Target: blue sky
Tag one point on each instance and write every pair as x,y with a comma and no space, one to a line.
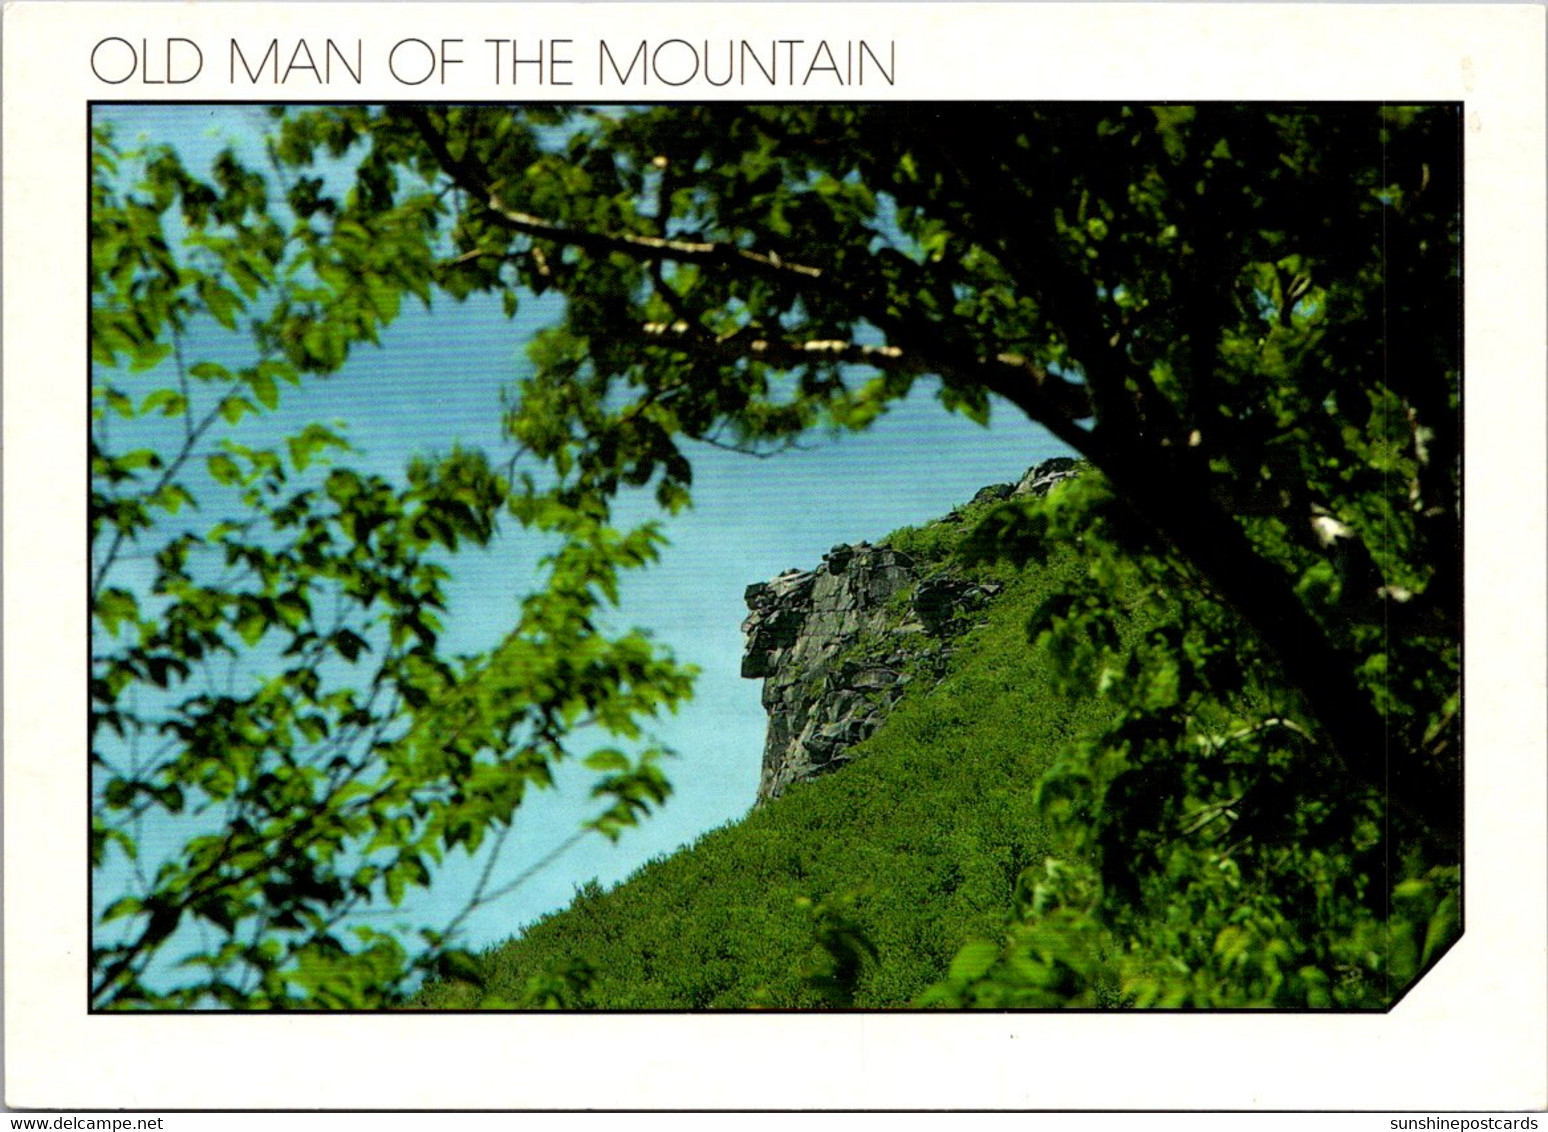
437,379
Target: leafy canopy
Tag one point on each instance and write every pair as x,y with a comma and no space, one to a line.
279,741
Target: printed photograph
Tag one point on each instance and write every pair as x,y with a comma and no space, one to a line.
802,557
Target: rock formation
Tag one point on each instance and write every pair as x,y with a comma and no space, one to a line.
836,646
1041,477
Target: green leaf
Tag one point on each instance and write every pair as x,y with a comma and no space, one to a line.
607,759
209,371
221,302
168,401
224,469
264,389
122,907
251,626
973,961
113,607
233,408
1443,928
148,356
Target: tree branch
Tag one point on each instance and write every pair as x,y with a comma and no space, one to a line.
1169,489
1052,401
1018,379
634,245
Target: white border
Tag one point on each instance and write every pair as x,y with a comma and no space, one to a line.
1471,1036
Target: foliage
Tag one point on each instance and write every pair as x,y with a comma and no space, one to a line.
278,741
1241,316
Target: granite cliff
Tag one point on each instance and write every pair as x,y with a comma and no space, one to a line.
837,645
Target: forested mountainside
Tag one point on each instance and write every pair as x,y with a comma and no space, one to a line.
910,674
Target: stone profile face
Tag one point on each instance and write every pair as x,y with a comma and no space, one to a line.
802,635
836,646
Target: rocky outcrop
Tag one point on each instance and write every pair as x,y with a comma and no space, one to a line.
1041,477
1038,479
836,646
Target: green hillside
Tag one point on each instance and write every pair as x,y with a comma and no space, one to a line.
895,861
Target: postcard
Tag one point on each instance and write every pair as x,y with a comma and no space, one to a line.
774,557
